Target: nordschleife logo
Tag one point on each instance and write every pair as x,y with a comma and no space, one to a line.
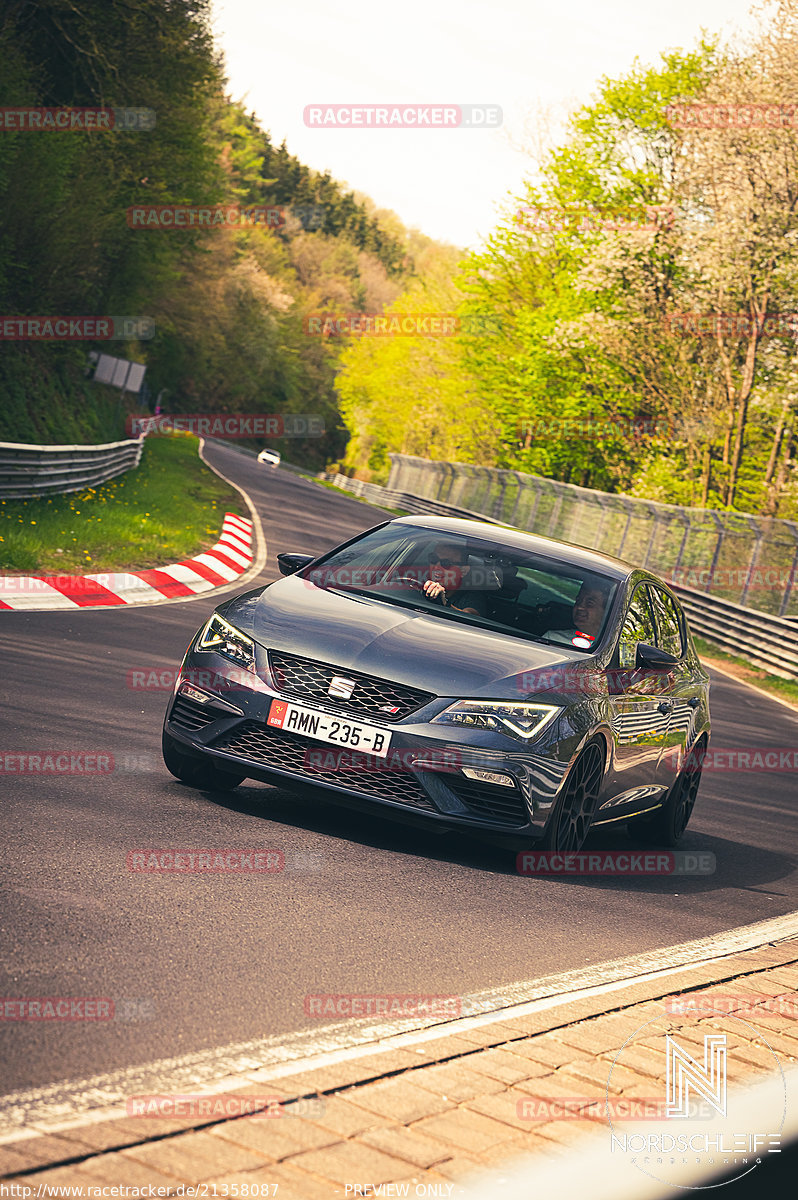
684,1075
703,1130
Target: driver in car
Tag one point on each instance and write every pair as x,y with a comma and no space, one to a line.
588,614
449,570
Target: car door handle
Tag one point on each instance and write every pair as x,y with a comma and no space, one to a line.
665,706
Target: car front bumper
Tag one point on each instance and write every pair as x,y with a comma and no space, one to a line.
424,774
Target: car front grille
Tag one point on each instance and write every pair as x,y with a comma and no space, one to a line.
309,680
187,714
289,752
501,804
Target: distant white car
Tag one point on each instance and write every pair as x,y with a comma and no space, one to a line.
272,457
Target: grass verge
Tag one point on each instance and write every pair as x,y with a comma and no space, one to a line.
169,508
785,689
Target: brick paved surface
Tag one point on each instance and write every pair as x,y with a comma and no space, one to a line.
435,1112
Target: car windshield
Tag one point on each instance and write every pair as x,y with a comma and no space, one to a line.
474,581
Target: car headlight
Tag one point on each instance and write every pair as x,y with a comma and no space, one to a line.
522,721
225,639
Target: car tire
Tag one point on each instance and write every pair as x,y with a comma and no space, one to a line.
195,771
667,825
570,822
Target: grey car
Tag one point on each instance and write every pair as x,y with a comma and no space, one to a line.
456,673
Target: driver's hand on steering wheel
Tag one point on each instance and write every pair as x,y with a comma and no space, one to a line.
434,591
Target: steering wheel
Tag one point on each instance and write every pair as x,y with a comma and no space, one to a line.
408,579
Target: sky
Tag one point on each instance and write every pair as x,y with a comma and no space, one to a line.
536,61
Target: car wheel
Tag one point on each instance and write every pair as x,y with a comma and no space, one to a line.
570,823
196,771
666,826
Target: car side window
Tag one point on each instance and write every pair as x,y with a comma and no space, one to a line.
638,626
669,626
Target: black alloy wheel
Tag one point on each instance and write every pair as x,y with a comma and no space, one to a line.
569,826
666,826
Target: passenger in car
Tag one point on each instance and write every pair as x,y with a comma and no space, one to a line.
588,614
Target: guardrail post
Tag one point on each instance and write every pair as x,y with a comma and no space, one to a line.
785,600
718,544
752,563
687,527
555,515
629,511
600,529
520,487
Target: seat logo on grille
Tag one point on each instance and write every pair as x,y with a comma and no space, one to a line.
341,688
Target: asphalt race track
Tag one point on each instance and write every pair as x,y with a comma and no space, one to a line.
364,905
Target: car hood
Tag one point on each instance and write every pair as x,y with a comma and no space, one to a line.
423,651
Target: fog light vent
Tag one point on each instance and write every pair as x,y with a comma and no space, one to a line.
494,777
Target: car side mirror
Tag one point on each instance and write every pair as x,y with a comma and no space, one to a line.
653,658
289,564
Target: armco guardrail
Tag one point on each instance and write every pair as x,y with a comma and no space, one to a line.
27,471
405,501
764,640
739,557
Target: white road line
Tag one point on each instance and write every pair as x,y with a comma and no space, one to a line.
72,1103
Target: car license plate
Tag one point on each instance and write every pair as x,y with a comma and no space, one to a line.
356,735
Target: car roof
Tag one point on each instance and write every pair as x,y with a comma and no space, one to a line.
517,539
